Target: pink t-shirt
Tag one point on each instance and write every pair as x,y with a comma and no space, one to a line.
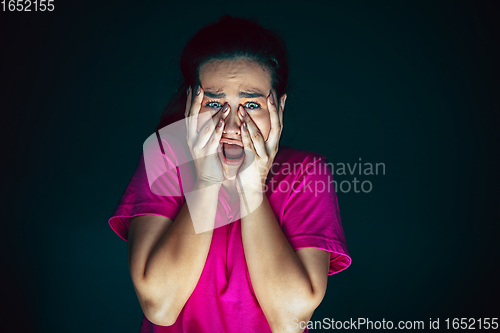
302,195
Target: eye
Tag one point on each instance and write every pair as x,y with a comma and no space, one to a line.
252,105
214,105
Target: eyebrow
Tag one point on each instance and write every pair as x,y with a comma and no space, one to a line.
250,94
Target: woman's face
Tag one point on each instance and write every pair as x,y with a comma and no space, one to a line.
239,82
236,82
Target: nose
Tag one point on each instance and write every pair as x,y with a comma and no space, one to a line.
232,122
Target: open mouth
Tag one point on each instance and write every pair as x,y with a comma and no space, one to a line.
232,151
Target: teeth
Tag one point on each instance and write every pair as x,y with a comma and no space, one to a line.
230,143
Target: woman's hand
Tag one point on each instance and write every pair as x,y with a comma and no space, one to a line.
204,144
259,154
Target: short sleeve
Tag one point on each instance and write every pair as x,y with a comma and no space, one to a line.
311,216
155,188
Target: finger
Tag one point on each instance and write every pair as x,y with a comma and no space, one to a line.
222,112
194,112
254,132
208,128
188,101
225,110
281,119
275,131
214,140
219,120
248,145
280,107
186,112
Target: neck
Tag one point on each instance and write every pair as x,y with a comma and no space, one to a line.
230,187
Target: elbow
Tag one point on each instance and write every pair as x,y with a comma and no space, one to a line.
308,301
164,315
316,298
161,318
300,310
158,310
306,307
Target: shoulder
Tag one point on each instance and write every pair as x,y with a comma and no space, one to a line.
167,143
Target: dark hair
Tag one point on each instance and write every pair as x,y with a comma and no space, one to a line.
229,38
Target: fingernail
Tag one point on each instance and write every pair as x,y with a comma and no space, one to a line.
272,99
245,127
220,122
242,111
225,108
198,90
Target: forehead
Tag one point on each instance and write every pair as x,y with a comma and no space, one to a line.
232,75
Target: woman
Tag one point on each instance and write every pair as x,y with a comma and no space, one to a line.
237,234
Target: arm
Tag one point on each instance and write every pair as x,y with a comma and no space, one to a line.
166,257
287,284
165,269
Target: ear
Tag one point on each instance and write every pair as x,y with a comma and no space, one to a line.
282,102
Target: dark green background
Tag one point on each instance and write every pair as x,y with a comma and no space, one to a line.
413,85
